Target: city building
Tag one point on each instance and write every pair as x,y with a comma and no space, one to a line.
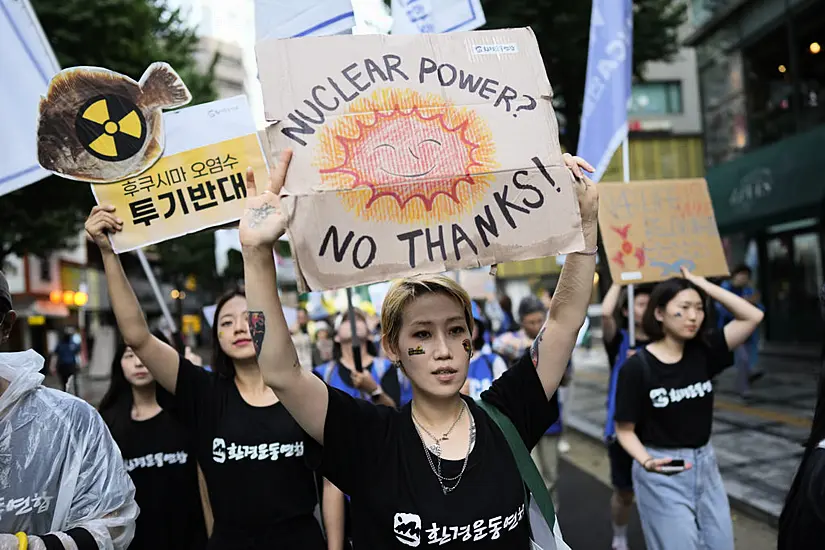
230,74
762,79
49,294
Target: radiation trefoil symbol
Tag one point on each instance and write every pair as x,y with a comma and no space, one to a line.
111,127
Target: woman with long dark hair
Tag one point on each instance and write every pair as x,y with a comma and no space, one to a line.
802,522
664,413
255,458
159,456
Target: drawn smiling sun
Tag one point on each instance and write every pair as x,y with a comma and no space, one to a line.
404,157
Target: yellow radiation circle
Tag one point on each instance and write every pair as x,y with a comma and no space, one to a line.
111,127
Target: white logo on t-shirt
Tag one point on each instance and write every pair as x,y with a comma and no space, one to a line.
662,397
156,460
264,451
475,531
407,528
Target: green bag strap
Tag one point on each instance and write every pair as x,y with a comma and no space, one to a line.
526,467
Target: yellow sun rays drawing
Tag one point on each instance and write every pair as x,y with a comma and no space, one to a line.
401,156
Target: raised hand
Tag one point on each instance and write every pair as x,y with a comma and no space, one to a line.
363,381
695,279
102,222
575,165
264,221
586,190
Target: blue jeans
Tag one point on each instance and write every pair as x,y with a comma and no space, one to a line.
685,511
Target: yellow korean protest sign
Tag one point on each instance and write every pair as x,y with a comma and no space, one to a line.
650,229
194,188
417,154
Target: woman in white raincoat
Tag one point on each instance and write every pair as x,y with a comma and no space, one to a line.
63,484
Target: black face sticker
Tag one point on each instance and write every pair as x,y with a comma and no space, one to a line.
468,347
418,350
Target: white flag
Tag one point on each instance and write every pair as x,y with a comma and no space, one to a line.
27,64
431,16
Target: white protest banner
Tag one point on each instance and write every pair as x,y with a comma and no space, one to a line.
27,64
293,19
420,153
431,16
199,182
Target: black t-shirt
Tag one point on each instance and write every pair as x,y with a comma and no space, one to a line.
256,460
672,403
374,454
614,345
159,457
802,523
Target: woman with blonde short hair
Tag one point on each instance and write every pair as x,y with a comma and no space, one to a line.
437,472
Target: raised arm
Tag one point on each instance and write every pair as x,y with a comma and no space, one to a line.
611,300
746,316
160,358
302,393
552,348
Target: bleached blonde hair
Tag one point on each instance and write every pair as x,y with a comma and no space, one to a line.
404,291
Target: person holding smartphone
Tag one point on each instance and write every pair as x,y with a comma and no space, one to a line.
664,413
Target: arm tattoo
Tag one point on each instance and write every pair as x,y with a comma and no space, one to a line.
259,214
534,348
257,329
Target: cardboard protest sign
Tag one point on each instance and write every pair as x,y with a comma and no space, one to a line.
99,126
420,153
650,229
199,182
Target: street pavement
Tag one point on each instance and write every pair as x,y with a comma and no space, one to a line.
757,443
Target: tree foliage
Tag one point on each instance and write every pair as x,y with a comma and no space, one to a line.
125,36
562,28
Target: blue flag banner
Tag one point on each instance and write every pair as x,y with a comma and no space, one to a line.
607,88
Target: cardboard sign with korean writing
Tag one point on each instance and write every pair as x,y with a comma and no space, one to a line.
199,182
417,154
650,229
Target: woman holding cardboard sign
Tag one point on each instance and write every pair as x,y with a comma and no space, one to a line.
440,471
256,459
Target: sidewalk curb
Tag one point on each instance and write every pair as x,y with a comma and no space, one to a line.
738,502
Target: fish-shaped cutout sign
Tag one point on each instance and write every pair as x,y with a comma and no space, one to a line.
99,126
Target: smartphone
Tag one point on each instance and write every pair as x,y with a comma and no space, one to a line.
674,467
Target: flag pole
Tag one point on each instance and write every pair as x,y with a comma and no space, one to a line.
631,314
356,343
156,289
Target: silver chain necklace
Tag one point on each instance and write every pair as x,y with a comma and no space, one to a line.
436,450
